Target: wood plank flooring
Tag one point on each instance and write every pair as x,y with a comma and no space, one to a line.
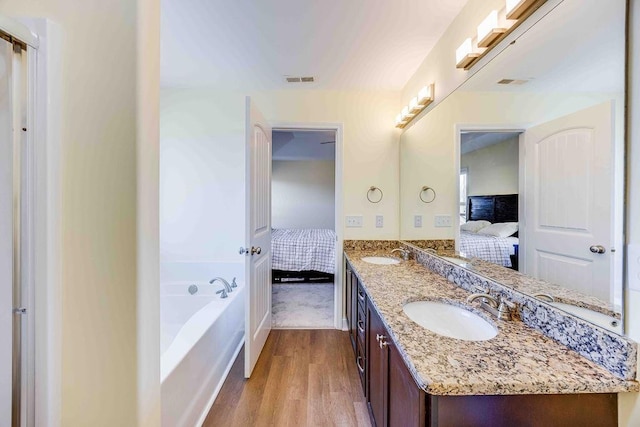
303,378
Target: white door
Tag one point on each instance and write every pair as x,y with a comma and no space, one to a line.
6,233
568,182
258,258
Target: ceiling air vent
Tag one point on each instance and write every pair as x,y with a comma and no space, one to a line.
305,79
512,82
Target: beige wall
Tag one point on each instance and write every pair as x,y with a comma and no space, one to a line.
99,272
493,169
370,147
303,194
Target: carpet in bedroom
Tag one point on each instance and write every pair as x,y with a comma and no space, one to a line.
302,306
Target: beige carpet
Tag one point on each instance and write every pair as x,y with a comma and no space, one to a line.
302,306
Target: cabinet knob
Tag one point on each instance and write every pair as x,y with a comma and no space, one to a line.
379,337
383,343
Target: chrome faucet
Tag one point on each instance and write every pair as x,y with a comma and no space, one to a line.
403,253
499,307
227,286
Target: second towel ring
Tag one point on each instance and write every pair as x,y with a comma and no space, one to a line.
426,189
373,189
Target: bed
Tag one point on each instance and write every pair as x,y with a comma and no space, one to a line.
495,209
303,255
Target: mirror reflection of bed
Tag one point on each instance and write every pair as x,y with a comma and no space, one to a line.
303,228
488,196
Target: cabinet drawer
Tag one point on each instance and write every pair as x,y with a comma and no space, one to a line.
362,297
361,364
361,325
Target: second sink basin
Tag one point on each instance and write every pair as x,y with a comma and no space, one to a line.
450,320
381,260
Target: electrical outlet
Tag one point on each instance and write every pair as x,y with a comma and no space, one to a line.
633,266
442,221
379,221
354,221
417,221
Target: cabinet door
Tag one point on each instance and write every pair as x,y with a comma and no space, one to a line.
407,402
349,313
354,305
377,359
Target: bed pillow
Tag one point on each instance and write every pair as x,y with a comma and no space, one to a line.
500,229
474,226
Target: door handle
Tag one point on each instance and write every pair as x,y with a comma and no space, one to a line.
597,249
256,250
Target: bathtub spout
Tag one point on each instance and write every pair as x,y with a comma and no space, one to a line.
227,286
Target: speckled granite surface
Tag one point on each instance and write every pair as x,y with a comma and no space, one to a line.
532,286
614,352
519,360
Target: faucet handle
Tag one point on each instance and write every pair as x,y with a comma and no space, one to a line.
482,290
223,292
233,283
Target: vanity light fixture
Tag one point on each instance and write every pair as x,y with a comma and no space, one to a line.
425,96
416,105
465,56
406,114
488,31
494,28
516,8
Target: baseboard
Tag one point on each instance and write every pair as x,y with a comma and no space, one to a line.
204,414
345,326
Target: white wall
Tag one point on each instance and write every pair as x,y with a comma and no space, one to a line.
202,178
303,194
493,169
99,137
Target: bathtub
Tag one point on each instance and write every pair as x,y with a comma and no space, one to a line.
201,335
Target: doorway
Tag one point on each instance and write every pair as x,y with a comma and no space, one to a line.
305,242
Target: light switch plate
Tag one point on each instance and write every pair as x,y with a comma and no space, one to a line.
633,266
442,221
379,221
417,221
354,221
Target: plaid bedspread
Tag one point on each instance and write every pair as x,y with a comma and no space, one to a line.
303,250
489,248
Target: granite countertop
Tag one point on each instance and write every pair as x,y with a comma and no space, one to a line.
519,360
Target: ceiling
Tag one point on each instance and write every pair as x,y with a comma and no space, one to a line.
344,44
304,145
472,141
576,48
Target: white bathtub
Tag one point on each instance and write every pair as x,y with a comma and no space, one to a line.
201,335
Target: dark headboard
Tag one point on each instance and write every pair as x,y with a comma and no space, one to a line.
497,208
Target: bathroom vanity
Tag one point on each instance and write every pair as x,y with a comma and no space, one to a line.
412,376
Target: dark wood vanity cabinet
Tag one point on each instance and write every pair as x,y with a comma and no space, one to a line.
395,400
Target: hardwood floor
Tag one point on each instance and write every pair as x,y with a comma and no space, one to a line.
303,378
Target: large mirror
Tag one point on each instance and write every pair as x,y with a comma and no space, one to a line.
526,158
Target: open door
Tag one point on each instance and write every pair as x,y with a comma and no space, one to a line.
258,223
569,202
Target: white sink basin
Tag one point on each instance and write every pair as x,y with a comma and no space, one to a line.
600,319
450,320
381,260
458,261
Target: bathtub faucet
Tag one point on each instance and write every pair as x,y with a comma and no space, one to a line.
227,286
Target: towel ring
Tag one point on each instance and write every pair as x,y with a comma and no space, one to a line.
373,189
425,189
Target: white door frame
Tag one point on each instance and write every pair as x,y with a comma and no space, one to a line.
42,216
339,322
458,128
